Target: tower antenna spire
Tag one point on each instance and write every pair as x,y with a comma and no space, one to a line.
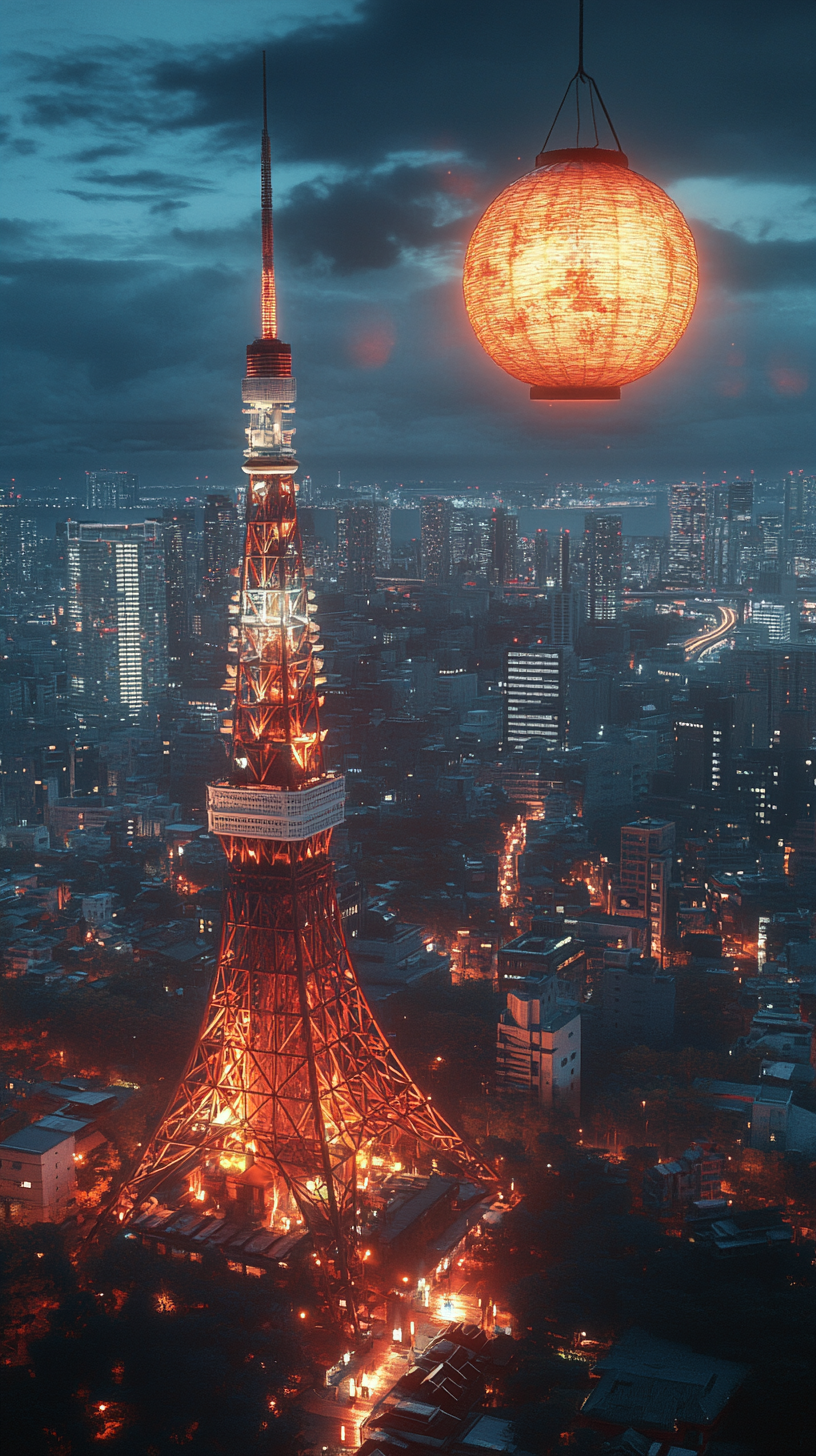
269,310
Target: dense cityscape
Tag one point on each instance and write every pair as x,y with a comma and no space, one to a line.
407,886
576,875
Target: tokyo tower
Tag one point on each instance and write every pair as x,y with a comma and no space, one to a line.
292,1086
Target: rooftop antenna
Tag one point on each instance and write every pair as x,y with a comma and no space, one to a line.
269,310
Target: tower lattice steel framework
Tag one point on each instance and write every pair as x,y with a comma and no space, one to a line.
291,1072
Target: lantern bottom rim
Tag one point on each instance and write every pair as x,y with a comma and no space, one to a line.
544,391
583,154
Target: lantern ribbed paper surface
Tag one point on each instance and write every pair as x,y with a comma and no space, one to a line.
581,276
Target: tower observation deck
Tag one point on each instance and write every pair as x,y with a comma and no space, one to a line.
291,1077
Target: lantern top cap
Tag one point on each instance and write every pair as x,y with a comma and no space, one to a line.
583,154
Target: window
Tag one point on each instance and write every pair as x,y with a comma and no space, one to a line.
25,1184
563,1061
17,1166
572,1058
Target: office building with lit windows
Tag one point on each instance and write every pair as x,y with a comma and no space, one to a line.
603,553
503,546
687,535
535,696
117,620
435,531
367,527
647,852
111,490
773,619
704,743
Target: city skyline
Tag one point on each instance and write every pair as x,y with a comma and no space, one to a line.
135,221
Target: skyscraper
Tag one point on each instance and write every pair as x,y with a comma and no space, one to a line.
542,558
435,528
177,528
687,535
221,548
361,546
9,540
535,696
740,514
503,546
603,549
111,490
470,541
117,620
382,521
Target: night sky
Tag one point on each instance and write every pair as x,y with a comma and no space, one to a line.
132,235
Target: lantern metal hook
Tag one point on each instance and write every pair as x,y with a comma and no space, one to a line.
582,77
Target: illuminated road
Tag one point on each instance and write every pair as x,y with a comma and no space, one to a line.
711,635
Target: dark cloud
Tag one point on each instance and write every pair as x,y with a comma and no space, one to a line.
148,177
97,154
723,88
367,221
754,267
141,359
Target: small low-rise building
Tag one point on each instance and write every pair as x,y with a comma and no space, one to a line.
37,1174
98,909
661,1390
668,1187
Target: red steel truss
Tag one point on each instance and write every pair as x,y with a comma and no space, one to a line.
291,1076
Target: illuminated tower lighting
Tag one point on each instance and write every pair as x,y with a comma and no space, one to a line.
291,1074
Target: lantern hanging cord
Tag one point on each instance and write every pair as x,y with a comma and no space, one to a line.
582,78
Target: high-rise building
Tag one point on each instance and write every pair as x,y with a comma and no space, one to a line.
117,620
564,564
565,613
603,549
704,743
178,526
535,696
541,558
647,851
435,529
292,1098
9,539
687,535
361,546
382,521
221,548
111,490
739,520
503,546
470,541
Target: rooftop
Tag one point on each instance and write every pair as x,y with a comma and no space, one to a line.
35,1139
662,1385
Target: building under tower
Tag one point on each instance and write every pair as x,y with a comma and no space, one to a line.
293,1104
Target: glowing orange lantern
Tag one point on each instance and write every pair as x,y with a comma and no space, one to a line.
582,275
